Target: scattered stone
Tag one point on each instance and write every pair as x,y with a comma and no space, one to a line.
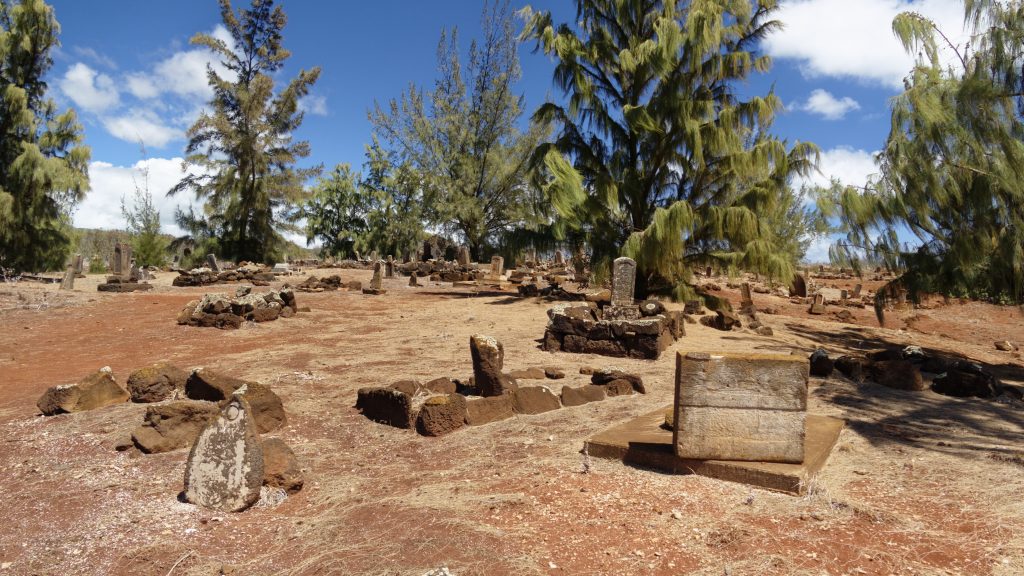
534,400
488,358
853,367
844,316
481,411
162,381
651,308
1004,346
266,407
440,415
528,374
554,373
225,466
96,390
607,375
172,426
967,380
722,320
387,406
898,374
220,311
821,364
280,466
583,395
764,331
441,386
587,370
410,387
618,387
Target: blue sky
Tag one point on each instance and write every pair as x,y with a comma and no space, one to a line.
130,72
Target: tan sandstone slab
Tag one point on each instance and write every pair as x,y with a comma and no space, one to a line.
645,443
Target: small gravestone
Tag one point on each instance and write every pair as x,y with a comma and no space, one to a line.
225,466
746,299
818,307
799,286
211,262
488,359
707,271
463,256
622,305
78,264
740,407
377,282
68,282
856,291
121,263
843,295
497,267
373,256
413,279
559,258
281,268
389,267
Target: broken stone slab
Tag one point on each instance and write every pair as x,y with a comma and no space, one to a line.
583,395
749,407
604,376
266,406
161,381
488,359
534,400
225,466
96,390
280,466
173,426
441,415
618,387
480,411
387,406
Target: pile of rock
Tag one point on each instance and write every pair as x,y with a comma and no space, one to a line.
325,284
915,370
444,405
251,274
221,418
221,311
621,328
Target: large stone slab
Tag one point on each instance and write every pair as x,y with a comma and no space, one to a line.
748,407
96,390
225,466
645,442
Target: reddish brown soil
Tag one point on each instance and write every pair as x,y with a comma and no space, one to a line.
918,484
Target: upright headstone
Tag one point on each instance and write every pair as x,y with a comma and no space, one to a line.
225,466
707,271
799,286
117,262
488,359
126,258
463,256
68,282
497,267
746,299
389,267
435,250
211,262
559,259
77,262
623,281
373,256
740,407
358,257
426,254
818,307
856,291
843,295
377,282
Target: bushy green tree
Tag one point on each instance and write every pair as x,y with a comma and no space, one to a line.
658,156
462,138
244,145
335,212
43,165
952,169
149,245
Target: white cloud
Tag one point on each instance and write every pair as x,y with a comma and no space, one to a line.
141,86
142,126
824,104
843,38
91,54
851,167
90,90
102,205
314,104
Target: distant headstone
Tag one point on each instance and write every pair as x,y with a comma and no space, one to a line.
225,466
856,291
377,281
707,271
463,256
68,282
389,267
818,307
211,262
497,267
77,262
122,262
281,268
799,287
746,299
843,295
373,256
413,279
559,258
623,281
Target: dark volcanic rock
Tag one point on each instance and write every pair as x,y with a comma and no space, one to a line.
387,406
173,426
156,383
441,414
534,400
486,410
582,395
898,374
821,364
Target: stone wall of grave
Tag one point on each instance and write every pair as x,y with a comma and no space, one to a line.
581,328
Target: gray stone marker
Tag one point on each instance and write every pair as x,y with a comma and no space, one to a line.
799,286
856,291
623,281
68,282
818,307
225,466
559,258
373,256
843,295
377,281
122,262
497,267
78,264
389,267
211,262
750,407
463,256
746,300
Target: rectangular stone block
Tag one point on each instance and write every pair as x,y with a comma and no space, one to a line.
762,381
712,433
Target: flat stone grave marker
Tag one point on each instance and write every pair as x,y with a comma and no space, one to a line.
225,466
818,307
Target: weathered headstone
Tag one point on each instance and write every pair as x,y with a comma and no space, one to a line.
122,261
707,271
68,282
373,256
77,262
389,267
746,300
225,466
740,407
559,258
497,267
211,262
856,291
843,295
377,281
818,307
413,279
799,286
463,256
488,359
623,281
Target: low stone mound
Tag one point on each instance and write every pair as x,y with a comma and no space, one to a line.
325,284
218,310
255,275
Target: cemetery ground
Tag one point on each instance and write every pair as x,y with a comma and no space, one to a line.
919,483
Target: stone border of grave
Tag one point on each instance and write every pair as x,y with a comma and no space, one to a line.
444,405
218,310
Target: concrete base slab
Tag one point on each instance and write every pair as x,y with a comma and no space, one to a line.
645,443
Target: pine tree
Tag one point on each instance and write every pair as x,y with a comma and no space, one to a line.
462,137
243,146
335,212
43,166
149,246
952,169
658,157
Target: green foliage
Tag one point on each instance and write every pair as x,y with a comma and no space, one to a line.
952,169
381,212
149,246
461,139
95,245
658,157
243,146
43,166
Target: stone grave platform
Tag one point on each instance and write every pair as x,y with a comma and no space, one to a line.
645,442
